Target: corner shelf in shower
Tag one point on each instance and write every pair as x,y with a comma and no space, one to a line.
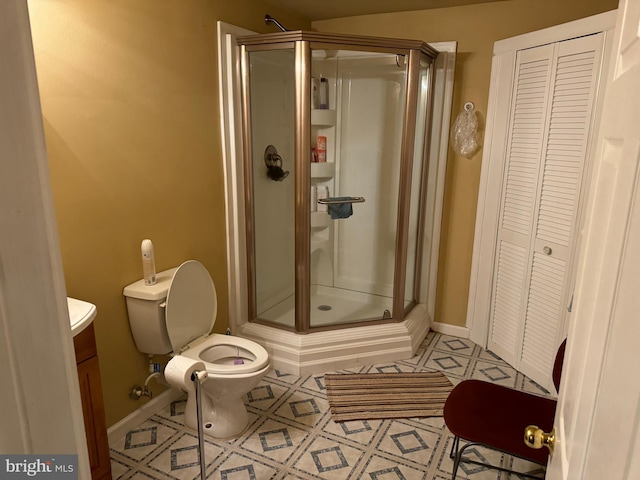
322,169
320,231
320,220
323,118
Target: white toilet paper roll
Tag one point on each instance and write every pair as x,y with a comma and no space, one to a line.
179,370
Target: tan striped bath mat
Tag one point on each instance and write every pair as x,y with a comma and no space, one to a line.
370,396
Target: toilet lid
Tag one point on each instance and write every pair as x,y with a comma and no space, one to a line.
191,304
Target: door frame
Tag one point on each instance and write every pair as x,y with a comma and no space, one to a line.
493,157
40,394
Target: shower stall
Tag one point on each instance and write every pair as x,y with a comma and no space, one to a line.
334,228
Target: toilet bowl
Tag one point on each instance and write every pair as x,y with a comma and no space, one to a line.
175,316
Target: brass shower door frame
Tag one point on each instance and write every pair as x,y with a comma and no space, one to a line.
302,43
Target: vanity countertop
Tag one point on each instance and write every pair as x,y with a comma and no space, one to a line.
81,314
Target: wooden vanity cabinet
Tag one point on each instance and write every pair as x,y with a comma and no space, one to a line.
92,403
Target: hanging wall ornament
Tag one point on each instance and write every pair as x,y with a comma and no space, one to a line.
464,134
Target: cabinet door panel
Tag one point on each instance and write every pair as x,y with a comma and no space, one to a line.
551,116
94,418
507,301
542,318
572,100
524,147
525,142
572,96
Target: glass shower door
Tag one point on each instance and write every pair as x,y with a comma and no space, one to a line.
421,144
353,233
272,87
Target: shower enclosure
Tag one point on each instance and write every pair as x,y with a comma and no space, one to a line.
335,148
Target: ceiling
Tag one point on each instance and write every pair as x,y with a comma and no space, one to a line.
324,9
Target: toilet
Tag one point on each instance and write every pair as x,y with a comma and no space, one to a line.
175,316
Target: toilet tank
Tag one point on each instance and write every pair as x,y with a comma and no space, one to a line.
146,309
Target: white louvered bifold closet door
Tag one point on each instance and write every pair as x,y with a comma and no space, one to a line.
553,99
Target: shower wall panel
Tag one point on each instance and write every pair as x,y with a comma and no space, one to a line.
370,132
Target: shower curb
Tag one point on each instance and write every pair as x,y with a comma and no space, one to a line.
328,351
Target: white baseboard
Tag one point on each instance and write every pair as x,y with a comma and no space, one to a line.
146,411
453,330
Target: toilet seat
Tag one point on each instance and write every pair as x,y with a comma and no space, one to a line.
226,346
190,313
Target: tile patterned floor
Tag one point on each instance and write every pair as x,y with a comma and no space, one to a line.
291,435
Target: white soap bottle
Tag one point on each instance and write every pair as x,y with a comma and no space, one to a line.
148,262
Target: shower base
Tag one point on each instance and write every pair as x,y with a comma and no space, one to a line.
332,306
338,349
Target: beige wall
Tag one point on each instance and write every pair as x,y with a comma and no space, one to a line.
129,96
475,28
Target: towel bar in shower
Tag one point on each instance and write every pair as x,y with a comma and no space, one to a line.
329,201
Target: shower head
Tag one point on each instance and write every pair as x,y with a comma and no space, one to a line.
269,19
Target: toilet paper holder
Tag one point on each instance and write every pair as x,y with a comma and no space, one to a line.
201,376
